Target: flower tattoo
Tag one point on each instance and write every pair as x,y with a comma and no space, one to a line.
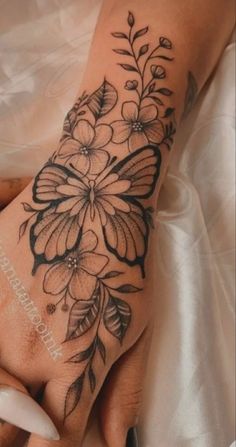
83,150
139,127
77,273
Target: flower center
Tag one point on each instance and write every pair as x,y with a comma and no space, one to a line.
84,150
72,263
137,126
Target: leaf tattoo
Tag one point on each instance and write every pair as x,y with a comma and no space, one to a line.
103,100
73,395
82,317
140,33
117,317
83,355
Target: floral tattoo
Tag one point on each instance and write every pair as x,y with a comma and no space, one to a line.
82,184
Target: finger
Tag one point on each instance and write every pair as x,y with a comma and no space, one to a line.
10,188
121,397
8,432
19,410
69,403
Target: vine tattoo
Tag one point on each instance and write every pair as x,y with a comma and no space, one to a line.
82,184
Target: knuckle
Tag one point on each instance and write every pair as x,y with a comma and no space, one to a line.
131,403
127,404
133,398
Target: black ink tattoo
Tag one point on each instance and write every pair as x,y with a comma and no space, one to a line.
82,184
141,123
191,95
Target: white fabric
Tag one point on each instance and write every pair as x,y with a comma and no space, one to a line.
189,399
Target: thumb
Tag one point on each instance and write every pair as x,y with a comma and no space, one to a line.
121,399
19,410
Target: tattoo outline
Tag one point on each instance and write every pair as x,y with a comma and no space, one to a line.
82,182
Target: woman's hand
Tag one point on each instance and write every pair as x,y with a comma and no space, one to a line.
119,399
37,362
76,253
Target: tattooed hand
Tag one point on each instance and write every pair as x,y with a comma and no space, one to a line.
77,275
77,278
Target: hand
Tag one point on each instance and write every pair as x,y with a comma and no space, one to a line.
76,254
119,400
76,269
17,330
119,403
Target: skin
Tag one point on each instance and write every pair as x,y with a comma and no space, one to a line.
10,188
197,49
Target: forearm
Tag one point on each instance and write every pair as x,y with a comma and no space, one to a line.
198,31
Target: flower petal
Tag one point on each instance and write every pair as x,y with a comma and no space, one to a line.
82,285
137,140
81,163
88,242
84,132
69,147
154,131
98,160
57,278
103,134
121,131
92,263
130,111
148,113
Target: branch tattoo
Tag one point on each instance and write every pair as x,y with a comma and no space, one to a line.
82,184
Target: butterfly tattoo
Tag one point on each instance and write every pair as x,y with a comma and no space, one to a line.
114,197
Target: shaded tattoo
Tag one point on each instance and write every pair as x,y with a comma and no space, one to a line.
191,95
82,184
141,123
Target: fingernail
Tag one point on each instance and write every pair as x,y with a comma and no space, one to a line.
19,409
132,438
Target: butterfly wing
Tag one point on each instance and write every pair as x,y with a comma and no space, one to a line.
58,227
126,235
123,217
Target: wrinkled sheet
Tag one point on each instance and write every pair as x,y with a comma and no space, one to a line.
189,397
